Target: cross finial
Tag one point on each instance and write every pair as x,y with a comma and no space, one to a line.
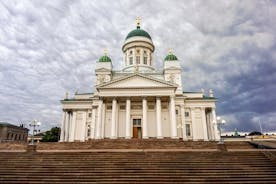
105,51
138,19
66,95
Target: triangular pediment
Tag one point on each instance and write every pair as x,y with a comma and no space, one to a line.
137,81
102,70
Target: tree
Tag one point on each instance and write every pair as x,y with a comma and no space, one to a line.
255,133
51,135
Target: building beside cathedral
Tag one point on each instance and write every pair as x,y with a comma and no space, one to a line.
139,101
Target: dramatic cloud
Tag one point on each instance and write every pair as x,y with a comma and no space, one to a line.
50,47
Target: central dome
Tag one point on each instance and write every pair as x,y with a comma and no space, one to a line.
138,32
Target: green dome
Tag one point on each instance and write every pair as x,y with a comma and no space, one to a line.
138,32
170,57
105,59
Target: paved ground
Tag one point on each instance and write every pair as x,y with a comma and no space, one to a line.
267,144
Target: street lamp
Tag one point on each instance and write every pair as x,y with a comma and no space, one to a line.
219,122
34,124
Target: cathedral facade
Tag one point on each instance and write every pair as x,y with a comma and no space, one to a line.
139,101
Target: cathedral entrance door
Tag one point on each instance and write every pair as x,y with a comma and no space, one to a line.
137,129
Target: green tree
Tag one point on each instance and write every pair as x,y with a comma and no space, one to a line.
51,135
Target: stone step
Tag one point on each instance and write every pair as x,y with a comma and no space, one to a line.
137,167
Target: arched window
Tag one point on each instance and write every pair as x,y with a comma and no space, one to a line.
145,60
137,59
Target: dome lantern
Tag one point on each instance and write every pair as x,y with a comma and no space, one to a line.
138,31
170,56
105,58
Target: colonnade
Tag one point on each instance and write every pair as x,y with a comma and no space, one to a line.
68,127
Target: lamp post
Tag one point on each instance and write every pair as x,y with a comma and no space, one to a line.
34,124
219,122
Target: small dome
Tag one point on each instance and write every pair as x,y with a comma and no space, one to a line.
170,57
138,32
105,58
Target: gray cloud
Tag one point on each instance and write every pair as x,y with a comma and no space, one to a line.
50,47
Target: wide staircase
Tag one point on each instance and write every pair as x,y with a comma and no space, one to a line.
129,144
137,167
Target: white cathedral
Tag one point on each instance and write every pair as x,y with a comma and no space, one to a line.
139,102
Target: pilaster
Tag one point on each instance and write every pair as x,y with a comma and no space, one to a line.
145,123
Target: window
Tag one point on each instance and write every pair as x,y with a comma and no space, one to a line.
145,60
187,114
88,131
131,60
176,112
130,52
137,122
137,59
188,130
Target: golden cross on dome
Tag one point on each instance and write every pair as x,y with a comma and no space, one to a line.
105,51
138,19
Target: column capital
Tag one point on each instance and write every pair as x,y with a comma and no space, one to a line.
172,96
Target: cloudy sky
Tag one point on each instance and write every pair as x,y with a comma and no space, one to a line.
50,47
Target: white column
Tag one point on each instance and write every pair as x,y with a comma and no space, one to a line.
93,124
72,127
67,120
82,127
173,118
194,126
184,135
103,121
204,125
62,130
145,123
209,126
158,118
113,119
99,120
216,132
128,118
